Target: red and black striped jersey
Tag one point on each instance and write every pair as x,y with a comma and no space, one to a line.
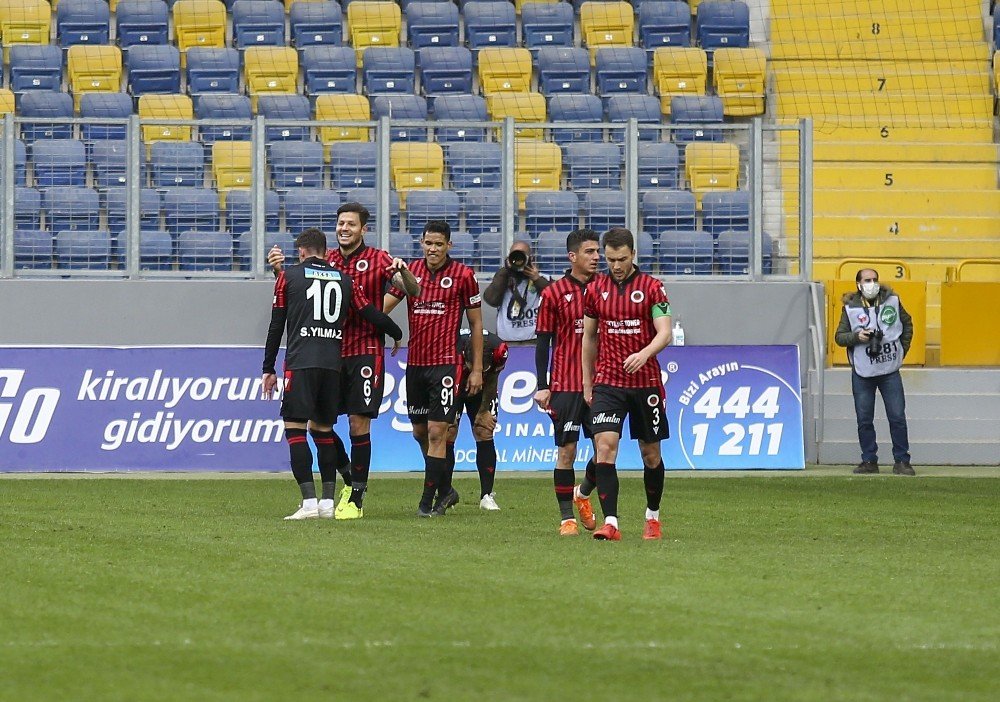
368,267
435,316
561,314
624,314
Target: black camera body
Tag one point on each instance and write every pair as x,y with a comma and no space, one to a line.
517,260
874,346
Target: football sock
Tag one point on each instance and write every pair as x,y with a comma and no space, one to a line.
329,489
613,521
652,479
326,456
607,488
361,460
444,485
486,464
653,514
434,469
301,460
342,462
564,481
589,479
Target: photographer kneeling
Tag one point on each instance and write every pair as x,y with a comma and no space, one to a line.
516,293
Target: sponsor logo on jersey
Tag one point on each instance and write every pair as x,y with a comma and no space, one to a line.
605,418
322,274
637,296
569,426
475,299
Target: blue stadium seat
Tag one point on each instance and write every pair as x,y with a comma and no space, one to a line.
490,24
460,107
212,70
283,240
593,166
366,196
316,24
109,163
550,252
177,164
659,166
445,70
473,165
667,210
353,165
664,24
388,70
35,67
82,22
551,211
603,209
431,24
546,24
996,28
685,252
482,211
403,245
96,106
285,107
696,109
576,108
83,250
463,248
723,211
311,208
141,22
71,207
329,69
27,208
46,104
20,163
296,164
563,70
258,23
621,70
190,208
405,106
154,68
224,106
645,109
200,250
32,249
425,205
239,210
156,249
722,24
116,206
59,162
732,252
646,253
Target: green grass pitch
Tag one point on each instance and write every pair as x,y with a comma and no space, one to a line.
765,588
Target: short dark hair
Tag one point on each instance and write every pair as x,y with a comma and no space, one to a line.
857,277
311,239
357,208
576,238
437,226
616,237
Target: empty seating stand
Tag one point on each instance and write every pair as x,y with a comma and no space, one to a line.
82,22
316,24
142,22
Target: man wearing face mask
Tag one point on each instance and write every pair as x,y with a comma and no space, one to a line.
877,331
516,291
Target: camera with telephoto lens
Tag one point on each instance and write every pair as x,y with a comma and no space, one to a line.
517,260
874,347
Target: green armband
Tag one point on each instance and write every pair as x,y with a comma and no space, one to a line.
661,309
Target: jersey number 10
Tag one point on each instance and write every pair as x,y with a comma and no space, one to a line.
327,300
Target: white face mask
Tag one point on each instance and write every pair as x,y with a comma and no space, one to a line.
870,290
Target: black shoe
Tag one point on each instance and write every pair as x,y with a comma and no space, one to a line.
903,468
866,468
449,500
424,511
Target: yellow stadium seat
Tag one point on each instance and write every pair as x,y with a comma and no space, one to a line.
416,166
740,77
199,23
679,71
93,69
606,24
24,22
504,70
996,73
694,6
537,166
231,165
518,4
270,69
165,107
523,107
373,23
710,167
345,108
6,101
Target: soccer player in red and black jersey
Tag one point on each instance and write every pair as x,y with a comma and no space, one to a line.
312,301
626,323
559,325
433,366
363,383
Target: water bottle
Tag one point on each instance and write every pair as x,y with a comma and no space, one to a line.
678,333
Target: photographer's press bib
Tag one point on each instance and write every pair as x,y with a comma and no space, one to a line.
890,356
517,313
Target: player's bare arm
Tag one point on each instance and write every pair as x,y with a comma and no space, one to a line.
484,419
475,316
589,355
659,342
403,278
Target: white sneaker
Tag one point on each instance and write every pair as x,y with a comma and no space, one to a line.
325,509
489,502
304,513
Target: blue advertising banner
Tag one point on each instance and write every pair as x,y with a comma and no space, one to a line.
200,408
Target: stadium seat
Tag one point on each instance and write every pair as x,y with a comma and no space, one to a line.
296,164
258,23
593,166
199,23
20,163
725,210
740,79
25,22
644,108
27,208
373,23
576,108
116,206
489,24
329,69
472,165
59,162
466,108
646,251
685,252
667,210
367,197
165,107
553,211
388,70
83,250
523,107
228,107
603,209
425,205
71,207
177,164
283,240
445,70
711,167
212,70
154,68
287,108
93,69
32,249
732,252
399,107
722,24
35,68
311,208
546,24
316,24
679,71
82,22
353,165
537,166
606,24
416,166
463,248
431,24
664,24
155,250
47,105
239,209
403,245
504,70
109,163
270,69
190,208
482,211
205,250
562,70
697,109
658,166
142,22
6,101
620,71
342,107
98,106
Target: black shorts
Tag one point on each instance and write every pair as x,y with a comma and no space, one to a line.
569,414
311,393
647,419
471,405
432,393
362,385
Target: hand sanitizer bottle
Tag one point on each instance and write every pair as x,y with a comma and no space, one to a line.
678,333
